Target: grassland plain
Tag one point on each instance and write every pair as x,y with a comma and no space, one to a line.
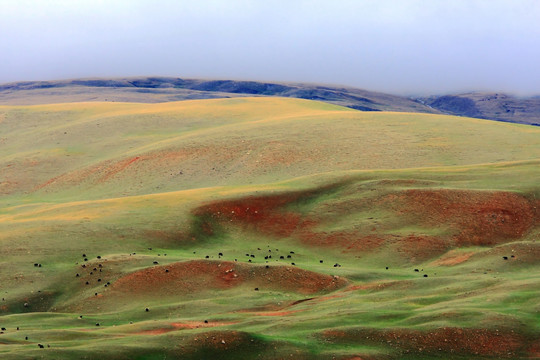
266,228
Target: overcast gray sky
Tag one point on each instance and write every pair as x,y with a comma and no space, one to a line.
396,46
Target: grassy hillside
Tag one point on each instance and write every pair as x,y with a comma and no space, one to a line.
266,228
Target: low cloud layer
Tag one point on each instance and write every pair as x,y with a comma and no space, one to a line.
399,46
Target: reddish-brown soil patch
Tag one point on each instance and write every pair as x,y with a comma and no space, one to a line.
420,248
263,214
271,215
472,217
183,325
277,313
118,167
347,241
199,275
453,258
378,286
457,341
463,218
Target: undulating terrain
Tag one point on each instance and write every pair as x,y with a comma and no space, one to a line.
266,228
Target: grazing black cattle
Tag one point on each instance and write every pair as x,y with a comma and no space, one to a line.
267,266
98,280
26,338
293,264
3,329
77,275
220,254
83,255
289,256
249,260
147,309
167,270
149,248
282,257
416,270
505,257
256,289
95,294
387,268
99,257
321,261
207,257
85,259
35,264
87,283
155,263
39,265
97,324
425,275
252,255
206,321
41,346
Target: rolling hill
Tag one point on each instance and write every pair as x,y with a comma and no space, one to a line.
266,227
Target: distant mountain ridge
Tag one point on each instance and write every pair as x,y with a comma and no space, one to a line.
162,89
492,106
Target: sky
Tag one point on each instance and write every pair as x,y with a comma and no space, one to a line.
408,47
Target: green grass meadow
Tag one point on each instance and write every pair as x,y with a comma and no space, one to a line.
413,236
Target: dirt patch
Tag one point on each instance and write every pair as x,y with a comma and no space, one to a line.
199,275
277,313
462,218
418,248
117,168
452,258
348,241
183,325
473,217
264,214
441,341
271,215
377,286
